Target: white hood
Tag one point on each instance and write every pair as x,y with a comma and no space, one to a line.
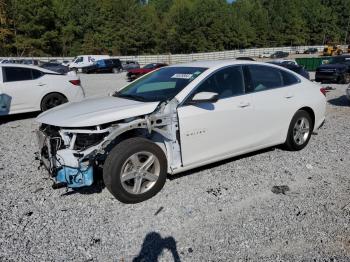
96,111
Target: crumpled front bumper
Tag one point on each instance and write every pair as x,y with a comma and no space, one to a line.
62,165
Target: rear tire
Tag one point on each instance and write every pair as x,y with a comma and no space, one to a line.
299,132
345,79
135,170
52,100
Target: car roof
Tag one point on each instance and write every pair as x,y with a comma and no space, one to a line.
218,63
28,66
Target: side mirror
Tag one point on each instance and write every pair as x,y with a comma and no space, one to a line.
205,97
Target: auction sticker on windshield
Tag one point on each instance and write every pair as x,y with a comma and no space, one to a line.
182,76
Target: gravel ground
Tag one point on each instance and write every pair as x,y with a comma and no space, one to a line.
229,211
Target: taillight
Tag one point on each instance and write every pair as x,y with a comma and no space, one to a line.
323,91
75,82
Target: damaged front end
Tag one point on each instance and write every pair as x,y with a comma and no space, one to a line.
70,154
66,155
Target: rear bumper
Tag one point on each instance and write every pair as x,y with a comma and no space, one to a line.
347,93
333,77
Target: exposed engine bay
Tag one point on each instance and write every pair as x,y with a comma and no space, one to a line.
70,154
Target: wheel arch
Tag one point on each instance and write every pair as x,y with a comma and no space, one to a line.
311,112
154,137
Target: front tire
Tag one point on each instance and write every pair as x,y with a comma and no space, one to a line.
135,170
299,132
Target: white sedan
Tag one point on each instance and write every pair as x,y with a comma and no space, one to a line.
175,119
26,88
347,92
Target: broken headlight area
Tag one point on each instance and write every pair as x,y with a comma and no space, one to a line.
69,154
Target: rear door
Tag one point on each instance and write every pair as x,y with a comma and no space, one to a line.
23,86
273,93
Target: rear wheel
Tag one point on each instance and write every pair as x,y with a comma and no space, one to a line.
299,132
52,100
345,79
135,170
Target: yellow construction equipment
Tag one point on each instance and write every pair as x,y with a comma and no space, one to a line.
332,49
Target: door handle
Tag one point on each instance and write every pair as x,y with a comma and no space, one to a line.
41,84
288,96
244,104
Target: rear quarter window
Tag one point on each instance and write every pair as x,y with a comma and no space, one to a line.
289,79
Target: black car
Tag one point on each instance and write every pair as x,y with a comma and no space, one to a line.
56,67
245,58
337,70
311,50
295,68
279,54
104,66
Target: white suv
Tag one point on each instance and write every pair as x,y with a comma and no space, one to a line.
178,118
26,88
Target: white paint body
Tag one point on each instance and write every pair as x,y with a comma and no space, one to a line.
209,132
26,96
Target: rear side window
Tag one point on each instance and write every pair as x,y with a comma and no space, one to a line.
264,78
12,74
289,79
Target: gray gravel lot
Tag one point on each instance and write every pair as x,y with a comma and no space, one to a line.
222,212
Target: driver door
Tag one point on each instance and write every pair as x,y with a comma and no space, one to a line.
215,130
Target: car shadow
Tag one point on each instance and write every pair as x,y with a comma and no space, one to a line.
340,101
98,185
222,162
11,118
153,246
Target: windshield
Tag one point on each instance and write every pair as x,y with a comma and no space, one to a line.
149,66
161,85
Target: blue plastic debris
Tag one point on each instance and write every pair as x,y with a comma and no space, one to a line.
75,177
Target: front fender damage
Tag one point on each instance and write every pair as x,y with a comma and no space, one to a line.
71,154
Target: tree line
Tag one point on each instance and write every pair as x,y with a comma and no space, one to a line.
132,27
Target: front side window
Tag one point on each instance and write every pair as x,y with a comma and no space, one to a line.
149,66
264,78
161,85
12,74
227,82
79,60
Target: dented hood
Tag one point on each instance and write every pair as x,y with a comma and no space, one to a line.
92,112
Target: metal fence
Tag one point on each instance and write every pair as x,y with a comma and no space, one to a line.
183,58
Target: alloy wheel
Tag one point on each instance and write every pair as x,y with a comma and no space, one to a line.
140,172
